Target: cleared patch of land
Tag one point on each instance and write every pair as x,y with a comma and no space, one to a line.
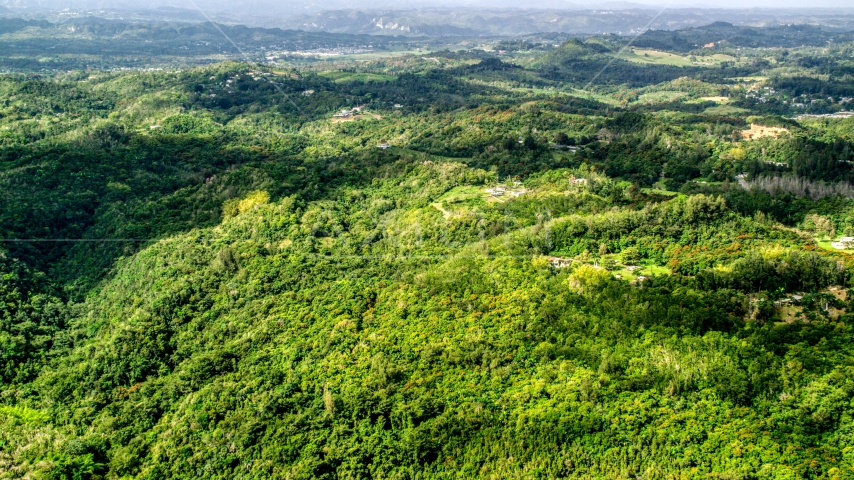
657,191
460,201
656,57
661,97
640,271
759,131
366,116
347,77
827,244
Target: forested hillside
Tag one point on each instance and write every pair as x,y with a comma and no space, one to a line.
489,266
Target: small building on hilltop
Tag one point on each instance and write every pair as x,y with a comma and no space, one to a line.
843,243
558,262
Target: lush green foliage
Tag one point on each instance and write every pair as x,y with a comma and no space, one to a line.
228,282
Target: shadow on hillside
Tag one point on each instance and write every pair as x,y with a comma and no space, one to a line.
117,192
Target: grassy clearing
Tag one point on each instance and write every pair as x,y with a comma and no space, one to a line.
460,201
657,191
719,100
348,77
661,97
656,270
725,110
751,81
825,244
645,270
656,57
577,92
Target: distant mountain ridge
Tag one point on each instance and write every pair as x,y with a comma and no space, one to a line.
507,22
98,36
504,18
12,25
727,34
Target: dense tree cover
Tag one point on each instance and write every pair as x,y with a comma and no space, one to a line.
267,294
30,319
726,34
259,347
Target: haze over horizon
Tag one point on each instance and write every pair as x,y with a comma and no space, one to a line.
267,7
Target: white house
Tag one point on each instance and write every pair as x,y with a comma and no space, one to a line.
559,262
843,243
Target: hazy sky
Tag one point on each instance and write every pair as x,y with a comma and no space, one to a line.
258,6
751,3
